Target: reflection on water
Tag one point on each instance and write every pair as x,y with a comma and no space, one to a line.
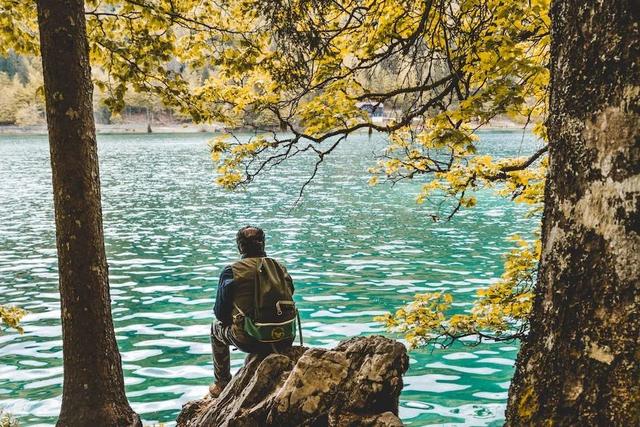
353,251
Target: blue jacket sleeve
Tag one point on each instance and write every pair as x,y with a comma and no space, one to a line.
224,305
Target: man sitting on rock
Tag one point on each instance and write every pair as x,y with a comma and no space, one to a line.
254,306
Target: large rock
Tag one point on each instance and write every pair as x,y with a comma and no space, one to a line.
356,384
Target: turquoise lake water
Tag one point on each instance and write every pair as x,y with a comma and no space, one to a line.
354,252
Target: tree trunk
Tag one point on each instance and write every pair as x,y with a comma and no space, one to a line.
149,118
93,392
580,364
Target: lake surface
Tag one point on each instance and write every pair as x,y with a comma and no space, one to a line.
354,252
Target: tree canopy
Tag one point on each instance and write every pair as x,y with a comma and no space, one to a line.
444,69
298,72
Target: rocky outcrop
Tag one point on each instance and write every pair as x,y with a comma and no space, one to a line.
355,384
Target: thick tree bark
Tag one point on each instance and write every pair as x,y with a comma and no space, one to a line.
580,364
93,391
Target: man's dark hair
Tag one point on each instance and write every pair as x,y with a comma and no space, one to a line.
250,241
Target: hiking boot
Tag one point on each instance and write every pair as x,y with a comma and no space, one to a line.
216,389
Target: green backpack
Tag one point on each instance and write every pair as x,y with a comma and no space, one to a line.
274,314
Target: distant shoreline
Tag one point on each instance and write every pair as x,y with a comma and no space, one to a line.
191,128
125,128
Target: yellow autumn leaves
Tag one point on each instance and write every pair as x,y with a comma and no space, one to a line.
10,317
500,310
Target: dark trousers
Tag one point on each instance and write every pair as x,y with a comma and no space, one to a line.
222,337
